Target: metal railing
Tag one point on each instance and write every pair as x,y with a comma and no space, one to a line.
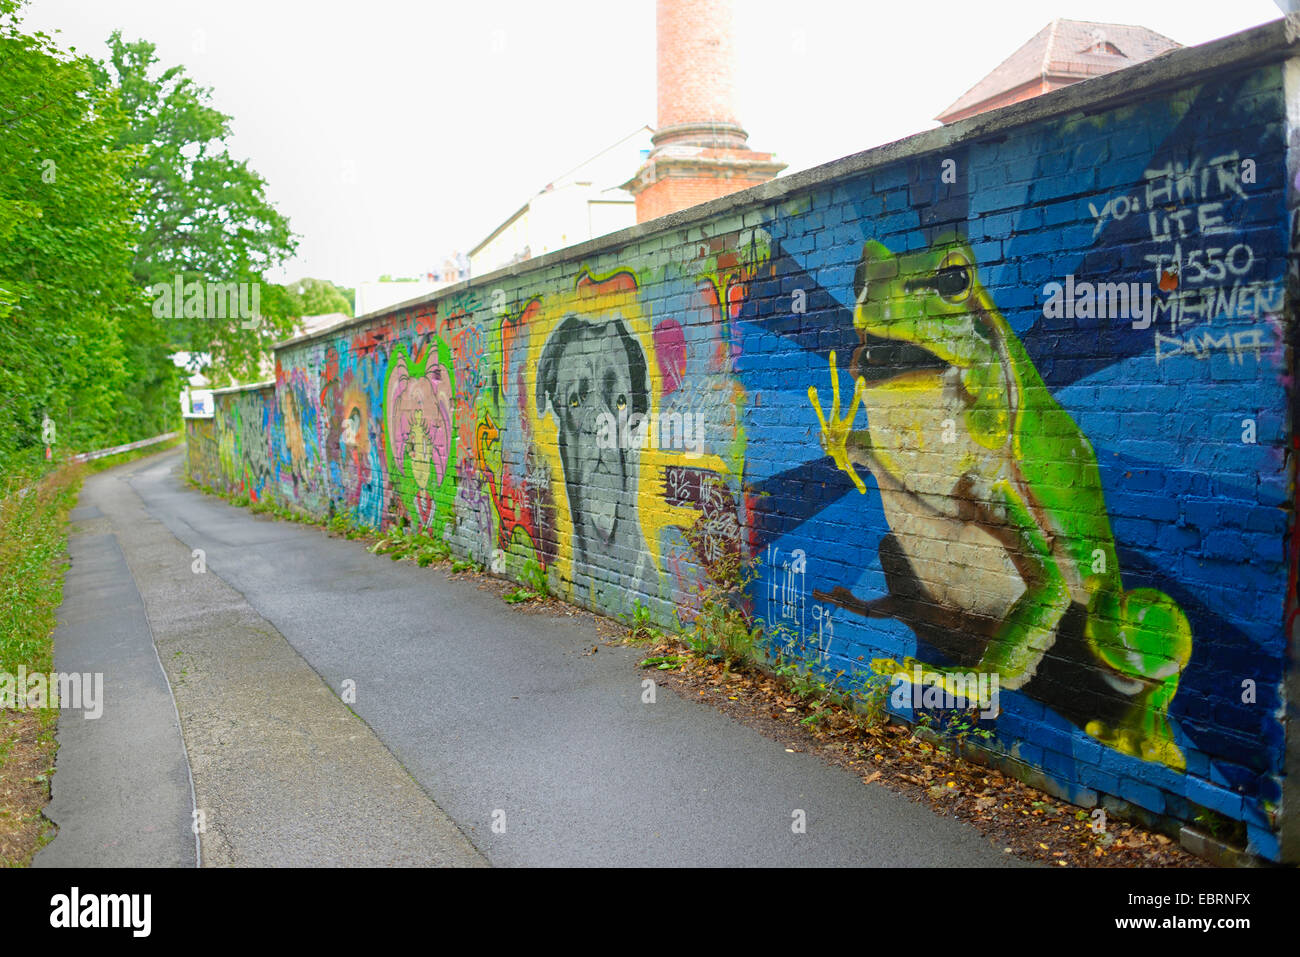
115,450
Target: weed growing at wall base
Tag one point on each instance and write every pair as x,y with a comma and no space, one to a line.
721,627
425,549
642,623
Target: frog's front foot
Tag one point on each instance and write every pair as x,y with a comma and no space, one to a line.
835,432
888,667
1143,650
961,684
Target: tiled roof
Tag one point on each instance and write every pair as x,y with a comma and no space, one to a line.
1066,50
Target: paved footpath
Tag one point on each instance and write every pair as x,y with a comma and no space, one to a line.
468,714
283,773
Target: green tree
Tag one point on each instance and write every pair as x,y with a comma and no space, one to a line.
316,297
349,293
115,178
66,232
206,217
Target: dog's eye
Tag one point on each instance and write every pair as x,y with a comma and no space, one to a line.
622,403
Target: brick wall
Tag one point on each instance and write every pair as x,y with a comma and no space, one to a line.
673,193
201,452
1087,499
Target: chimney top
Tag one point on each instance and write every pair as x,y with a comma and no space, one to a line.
700,150
696,74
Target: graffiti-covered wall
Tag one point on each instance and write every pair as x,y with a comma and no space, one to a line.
1015,405
201,451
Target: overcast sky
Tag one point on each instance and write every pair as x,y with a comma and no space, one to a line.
394,132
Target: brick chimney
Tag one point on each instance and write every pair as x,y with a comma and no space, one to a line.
699,149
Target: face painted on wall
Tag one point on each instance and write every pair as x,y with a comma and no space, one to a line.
419,431
419,413
590,370
350,426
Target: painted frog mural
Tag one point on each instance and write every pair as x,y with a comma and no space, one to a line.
999,554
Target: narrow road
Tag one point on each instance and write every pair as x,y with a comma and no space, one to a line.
479,734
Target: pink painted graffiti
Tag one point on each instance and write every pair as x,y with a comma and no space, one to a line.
419,415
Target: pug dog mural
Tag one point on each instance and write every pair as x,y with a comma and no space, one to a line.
1000,555
593,368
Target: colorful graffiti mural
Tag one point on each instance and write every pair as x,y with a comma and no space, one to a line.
980,469
420,433
243,432
907,393
202,460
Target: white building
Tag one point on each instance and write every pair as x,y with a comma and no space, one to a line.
374,296
196,397
586,202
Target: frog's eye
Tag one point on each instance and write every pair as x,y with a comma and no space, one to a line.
574,400
621,403
953,279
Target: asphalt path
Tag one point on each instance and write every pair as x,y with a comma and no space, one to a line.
283,773
473,732
120,793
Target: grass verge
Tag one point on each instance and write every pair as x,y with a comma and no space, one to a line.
33,546
34,506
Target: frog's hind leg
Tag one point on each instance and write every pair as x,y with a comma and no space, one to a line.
1019,641
1030,626
1143,649
1027,633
